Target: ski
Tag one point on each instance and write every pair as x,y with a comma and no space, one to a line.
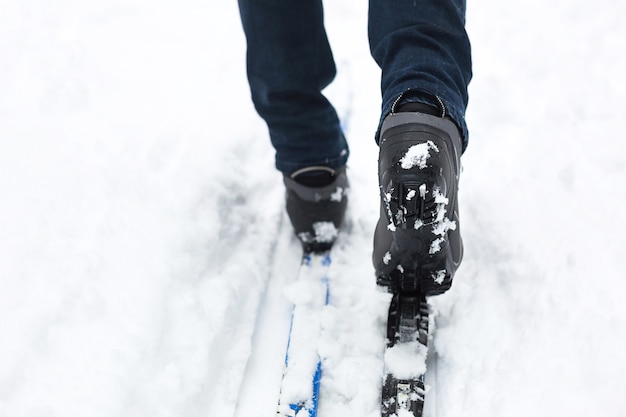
403,390
300,386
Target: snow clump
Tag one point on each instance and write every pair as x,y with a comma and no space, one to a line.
418,155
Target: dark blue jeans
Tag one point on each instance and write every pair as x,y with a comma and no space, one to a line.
421,47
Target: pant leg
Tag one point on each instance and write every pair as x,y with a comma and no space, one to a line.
424,53
289,62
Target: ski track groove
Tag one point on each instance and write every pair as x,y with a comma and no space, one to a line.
247,261
259,391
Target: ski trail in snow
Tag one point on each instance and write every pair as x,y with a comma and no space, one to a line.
258,394
243,270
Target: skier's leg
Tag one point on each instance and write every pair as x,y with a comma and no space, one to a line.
422,47
424,53
289,62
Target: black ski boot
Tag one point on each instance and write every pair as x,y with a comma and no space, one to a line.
316,204
417,243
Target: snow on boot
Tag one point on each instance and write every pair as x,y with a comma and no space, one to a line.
316,204
417,242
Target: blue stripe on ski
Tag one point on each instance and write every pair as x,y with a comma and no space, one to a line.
311,406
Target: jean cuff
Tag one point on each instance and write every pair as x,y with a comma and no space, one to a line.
447,110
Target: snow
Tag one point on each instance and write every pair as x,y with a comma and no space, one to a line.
406,360
308,296
418,155
441,224
439,276
325,231
337,196
146,258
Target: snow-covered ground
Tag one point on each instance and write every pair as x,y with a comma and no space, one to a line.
142,234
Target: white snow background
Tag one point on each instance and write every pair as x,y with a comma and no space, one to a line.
142,234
